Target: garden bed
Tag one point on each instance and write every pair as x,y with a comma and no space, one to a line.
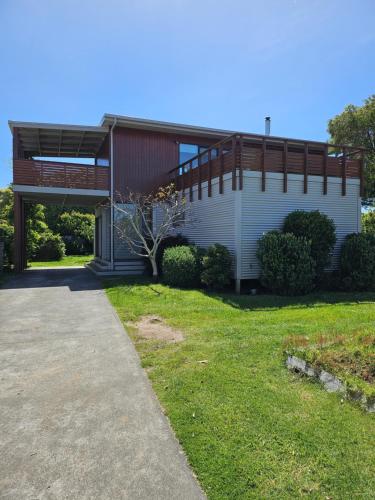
343,363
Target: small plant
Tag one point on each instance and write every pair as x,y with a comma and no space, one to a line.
357,262
316,228
182,266
51,247
216,267
287,267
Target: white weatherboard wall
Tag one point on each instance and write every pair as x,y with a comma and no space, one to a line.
105,214
264,211
237,219
121,248
214,217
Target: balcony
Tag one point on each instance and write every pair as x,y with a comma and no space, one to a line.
240,152
51,174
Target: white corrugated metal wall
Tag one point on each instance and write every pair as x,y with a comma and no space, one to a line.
214,218
264,211
237,219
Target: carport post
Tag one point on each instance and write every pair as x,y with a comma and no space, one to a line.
19,233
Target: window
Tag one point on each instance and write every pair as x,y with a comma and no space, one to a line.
188,151
102,162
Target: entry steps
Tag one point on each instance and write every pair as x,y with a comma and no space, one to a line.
121,268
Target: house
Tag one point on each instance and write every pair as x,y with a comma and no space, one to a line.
240,185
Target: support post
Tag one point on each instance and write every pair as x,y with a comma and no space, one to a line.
234,163
191,180
19,240
325,162
199,178
343,187
240,166
285,166
264,149
305,167
209,185
221,159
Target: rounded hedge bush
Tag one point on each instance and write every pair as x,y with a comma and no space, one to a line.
317,228
182,265
170,241
216,267
357,262
287,267
50,247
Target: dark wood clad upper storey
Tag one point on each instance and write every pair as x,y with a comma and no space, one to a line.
143,159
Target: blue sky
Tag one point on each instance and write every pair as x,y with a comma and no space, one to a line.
211,63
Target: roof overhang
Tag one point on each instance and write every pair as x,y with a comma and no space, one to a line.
109,120
158,126
54,140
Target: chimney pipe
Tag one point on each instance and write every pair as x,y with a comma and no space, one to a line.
267,125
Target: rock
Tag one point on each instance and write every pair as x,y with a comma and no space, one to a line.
330,382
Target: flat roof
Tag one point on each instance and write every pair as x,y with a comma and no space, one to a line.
54,140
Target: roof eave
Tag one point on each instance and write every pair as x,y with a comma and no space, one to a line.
56,126
159,126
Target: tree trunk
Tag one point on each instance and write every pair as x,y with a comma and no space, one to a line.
155,274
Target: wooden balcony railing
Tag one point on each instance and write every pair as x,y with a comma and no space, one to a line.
240,152
60,175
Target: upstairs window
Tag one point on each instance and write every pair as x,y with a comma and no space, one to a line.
188,151
102,162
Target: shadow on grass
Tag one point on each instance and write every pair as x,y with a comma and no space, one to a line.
272,302
257,302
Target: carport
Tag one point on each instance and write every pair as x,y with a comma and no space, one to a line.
55,181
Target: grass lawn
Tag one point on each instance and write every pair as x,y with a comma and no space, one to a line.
250,428
68,260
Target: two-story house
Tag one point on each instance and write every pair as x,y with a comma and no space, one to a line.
240,185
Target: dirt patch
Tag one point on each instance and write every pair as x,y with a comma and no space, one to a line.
154,328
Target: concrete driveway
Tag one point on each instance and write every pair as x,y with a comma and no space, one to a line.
78,418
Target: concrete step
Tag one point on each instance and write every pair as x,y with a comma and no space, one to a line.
133,268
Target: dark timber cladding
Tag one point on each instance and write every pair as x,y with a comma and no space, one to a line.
143,159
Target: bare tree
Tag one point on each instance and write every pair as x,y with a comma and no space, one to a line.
144,221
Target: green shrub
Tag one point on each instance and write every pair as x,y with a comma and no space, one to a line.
77,231
357,262
319,230
287,267
368,222
7,235
182,266
216,267
51,247
169,242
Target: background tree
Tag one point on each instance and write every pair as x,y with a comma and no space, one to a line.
77,231
368,222
144,221
45,226
355,126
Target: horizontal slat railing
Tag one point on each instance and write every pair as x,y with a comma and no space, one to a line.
239,152
60,175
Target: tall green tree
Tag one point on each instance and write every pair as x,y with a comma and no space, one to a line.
355,126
